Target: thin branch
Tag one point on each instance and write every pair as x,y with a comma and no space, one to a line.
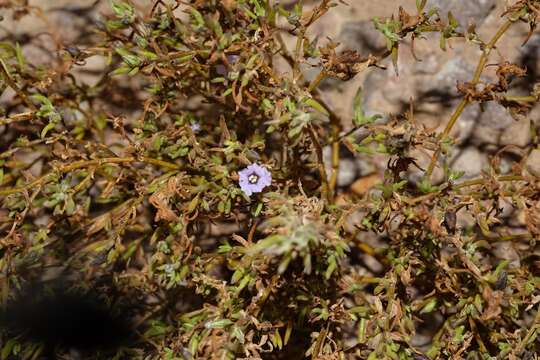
84,164
464,102
322,171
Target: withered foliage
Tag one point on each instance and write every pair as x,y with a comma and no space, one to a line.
125,177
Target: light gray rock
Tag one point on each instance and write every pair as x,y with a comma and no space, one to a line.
505,250
533,162
364,167
453,71
428,65
362,37
347,168
310,72
471,161
347,172
518,133
495,116
431,81
465,11
467,122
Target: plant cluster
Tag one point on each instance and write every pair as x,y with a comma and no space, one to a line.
190,179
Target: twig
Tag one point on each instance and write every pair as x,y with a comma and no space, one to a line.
297,53
481,181
322,171
527,98
16,118
464,102
319,343
83,164
315,83
7,78
534,326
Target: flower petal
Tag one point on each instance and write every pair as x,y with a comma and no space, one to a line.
264,179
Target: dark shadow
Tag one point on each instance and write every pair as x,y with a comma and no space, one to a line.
67,315
529,58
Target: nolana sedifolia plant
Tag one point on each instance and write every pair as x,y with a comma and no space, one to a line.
150,178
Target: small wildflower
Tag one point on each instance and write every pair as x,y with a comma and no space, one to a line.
222,70
232,58
195,127
254,178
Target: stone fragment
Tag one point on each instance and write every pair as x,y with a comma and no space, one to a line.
347,168
533,162
505,250
464,11
453,71
496,116
365,183
471,161
362,37
518,133
347,172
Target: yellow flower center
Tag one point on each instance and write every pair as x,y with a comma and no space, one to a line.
253,178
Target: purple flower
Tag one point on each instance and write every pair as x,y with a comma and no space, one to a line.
195,127
232,58
254,179
222,70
